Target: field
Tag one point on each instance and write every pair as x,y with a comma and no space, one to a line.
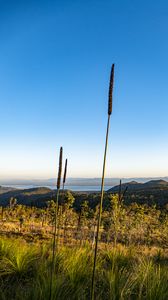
132,260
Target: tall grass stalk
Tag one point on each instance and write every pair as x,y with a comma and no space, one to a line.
119,192
60,208
55,222
65,173
103,175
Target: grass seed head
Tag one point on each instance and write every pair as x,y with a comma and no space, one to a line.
65,171
59,169
111,90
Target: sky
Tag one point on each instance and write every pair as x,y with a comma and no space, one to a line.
55,60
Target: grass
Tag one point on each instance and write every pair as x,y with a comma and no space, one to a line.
102,183
122,273
54,246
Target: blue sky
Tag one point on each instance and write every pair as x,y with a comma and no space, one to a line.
55,60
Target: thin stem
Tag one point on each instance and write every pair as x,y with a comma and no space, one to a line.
119,192
59,215
123,195
100,211
54,246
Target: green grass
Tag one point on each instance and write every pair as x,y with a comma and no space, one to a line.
121,273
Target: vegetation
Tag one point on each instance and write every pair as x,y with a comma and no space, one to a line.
102,183
55,215
132,261
122,272
127,224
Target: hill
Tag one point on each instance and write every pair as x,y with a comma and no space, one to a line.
5,189
135,186
151,192
33,196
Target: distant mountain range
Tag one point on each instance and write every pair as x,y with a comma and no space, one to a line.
77,181
151,192
5,189
34,196
136,186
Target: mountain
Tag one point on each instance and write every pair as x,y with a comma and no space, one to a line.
135,186
35,196
5,189
74,181
151,192
156,184
131,185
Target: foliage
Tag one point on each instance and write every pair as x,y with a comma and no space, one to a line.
132,256
122,273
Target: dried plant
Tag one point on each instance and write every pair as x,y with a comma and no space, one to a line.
103,175
55,221
119,192
110,102
59,169
59,212
65,173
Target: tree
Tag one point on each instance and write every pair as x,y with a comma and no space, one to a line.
12,202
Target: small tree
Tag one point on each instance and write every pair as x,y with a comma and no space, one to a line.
12,202
82,220
67,204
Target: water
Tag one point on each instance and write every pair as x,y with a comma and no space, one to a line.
80,188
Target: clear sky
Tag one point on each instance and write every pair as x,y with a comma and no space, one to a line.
55,60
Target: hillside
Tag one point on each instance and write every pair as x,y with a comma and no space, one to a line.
135,186
151,192
33,196
5,189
